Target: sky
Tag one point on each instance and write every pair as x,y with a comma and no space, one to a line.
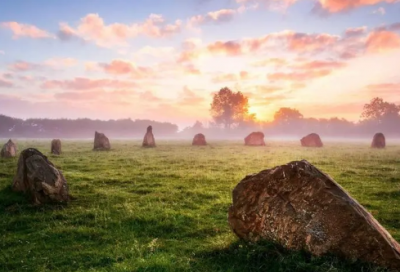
164,60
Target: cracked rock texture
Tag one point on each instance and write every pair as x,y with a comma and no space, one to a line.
39,178
301,208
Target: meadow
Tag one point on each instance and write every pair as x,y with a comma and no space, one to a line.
165,209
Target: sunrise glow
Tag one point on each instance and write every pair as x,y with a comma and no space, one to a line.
163,61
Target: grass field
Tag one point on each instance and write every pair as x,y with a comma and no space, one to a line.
165,209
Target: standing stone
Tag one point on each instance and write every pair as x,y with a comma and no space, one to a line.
302,208
378,141
56,147
148,140
39,178
255,139
199,139
101,142
9,150
311,140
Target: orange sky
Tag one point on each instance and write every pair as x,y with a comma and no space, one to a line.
325,58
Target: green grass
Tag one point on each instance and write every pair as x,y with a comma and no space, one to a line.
165,209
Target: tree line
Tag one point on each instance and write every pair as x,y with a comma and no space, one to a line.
80,128
230,118
230,113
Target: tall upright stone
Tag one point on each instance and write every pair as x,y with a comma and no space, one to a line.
9,149
148,140
101,142
56,147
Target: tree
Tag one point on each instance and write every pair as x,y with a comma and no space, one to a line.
287,116
229,108
380,111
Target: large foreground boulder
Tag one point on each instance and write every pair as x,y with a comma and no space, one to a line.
311,140
9,150
101,142
199,139
39,178
148,140
378,141
302,208
56,147
255,139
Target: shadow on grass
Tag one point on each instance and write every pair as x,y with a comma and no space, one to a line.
265,256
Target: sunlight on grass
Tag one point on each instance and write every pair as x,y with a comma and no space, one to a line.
165,209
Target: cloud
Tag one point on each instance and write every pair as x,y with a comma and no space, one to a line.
25,30
220,16
92,28
189,98
380,11
22,66
355,32
334,6
329,6
295,42
120,67
270,62
318,64
298,76
2,52
227,77
6,84
384,89
61,62
80,83
381,41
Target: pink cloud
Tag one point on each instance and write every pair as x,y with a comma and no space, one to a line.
120,67
220,16
355,32
61,62
23,66
25,30
6,84
93,28
298,76
334,6
80,83
381,41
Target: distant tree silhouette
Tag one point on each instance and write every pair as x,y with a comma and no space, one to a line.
287,116
229,108
379,111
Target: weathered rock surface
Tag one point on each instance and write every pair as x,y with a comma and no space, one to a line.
9,149
101,142
148,140
300,207
255,139
378,141
56,147
39,178
199,139
311,140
